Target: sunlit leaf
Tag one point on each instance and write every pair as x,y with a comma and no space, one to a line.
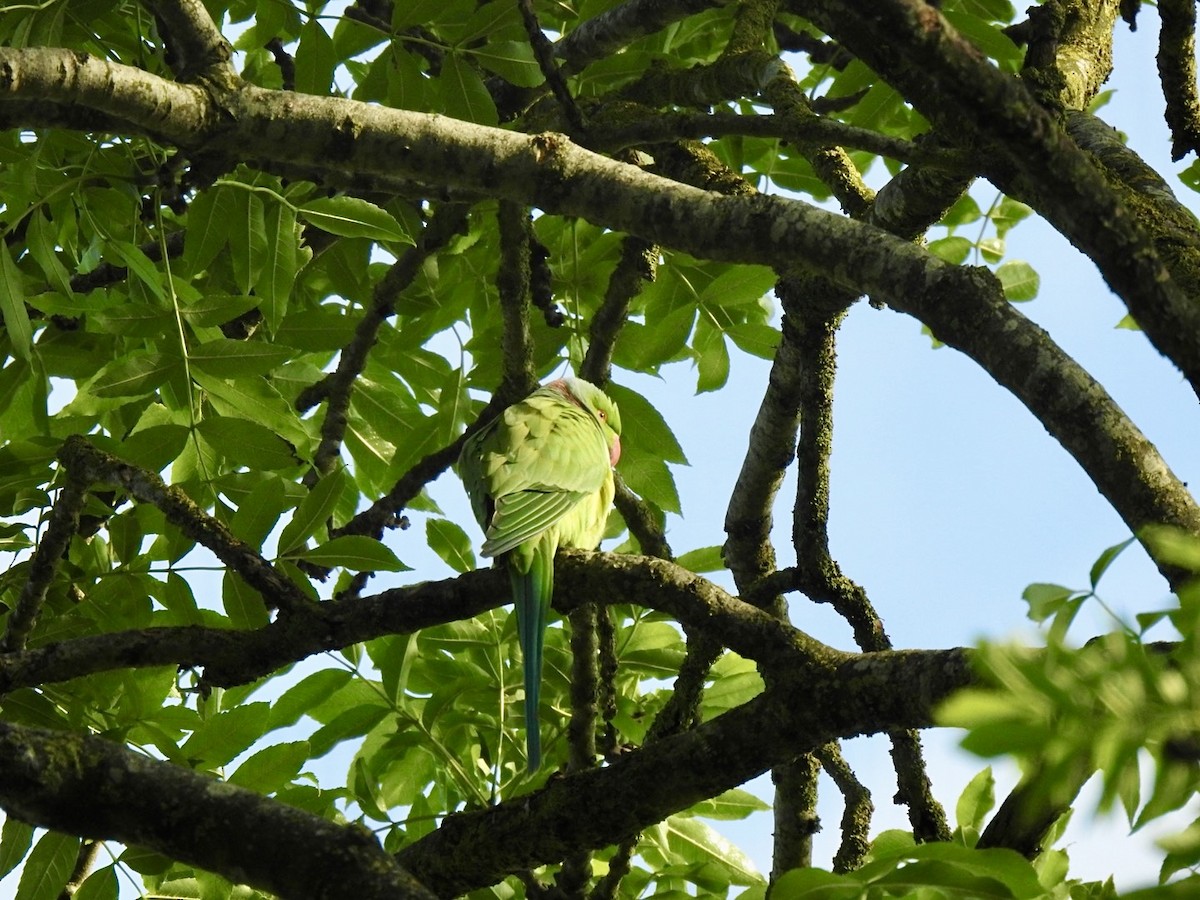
355,552
353,217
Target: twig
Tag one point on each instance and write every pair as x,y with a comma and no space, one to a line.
91,466
543,52
512,281
336,389
814,131
581,730
64,522
856,817
89,850
823,53
1177,71
605,34
635,268
795,814
447,222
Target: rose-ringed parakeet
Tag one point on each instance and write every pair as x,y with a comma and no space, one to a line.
540,477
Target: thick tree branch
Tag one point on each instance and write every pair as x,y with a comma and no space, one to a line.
950,82
195,45
965,309
602,806
88,786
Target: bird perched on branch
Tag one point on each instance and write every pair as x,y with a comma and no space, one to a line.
540,477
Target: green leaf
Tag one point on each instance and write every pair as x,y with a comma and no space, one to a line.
272,767
12,307
247,443
155,447
739,285
135,375
1173,545
312,513
247,228
243,604
306,694
315,59
817,884
985,35
353,217
356,552
100,885
953,249
732,805
210,215
278,274
39,233
703,559
513,61
964,211
259,510
316,329
48,867
1019,280
253,398
217,309
133,319
226,358
223,737
643,427
354,722
463,93
976,801
1106,559
140,266
648,476
1045,600
451,543
756,339
712,357
1007,213
697,842
15,839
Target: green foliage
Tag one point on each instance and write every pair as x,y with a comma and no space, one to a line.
288,346
898,868
1121,705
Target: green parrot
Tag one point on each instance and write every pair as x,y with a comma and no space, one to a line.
540,477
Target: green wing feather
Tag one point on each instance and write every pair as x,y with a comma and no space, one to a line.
540,478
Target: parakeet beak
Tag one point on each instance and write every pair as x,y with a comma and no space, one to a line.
615,453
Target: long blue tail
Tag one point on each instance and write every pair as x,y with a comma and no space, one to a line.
531,595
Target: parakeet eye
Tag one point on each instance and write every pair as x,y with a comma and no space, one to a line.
602,414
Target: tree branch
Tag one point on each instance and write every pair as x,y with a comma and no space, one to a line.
1177,71
63,524
964,308
602,806
91,465
195,46
948,81
101,790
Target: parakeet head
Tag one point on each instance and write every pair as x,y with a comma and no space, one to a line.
600,405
